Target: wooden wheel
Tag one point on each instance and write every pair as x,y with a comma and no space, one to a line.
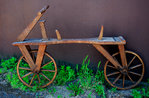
125,77
43,78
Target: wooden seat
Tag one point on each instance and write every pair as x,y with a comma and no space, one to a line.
104,41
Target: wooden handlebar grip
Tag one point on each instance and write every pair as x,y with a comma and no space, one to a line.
43,9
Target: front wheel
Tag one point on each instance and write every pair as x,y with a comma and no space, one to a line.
126,77
43,78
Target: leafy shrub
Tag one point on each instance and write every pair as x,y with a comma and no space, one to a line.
87,80
75,87
84,77
64,75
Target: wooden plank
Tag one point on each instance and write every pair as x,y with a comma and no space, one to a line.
27,56
43,30
107,55
27,30
104,41
40,55
122,55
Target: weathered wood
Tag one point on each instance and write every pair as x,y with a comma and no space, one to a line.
27,30
28,48
43,9
107,55
101,33
122,55
39,58
58,35
104,41
43,30
27,56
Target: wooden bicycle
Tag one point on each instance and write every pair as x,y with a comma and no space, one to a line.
123,70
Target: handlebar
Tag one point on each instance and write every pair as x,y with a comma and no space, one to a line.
43,9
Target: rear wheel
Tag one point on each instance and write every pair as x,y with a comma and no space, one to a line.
128,76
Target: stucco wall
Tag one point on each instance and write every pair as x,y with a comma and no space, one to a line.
78,19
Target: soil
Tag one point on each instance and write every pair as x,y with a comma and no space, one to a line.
6,91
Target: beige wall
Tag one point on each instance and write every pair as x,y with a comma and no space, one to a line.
78,19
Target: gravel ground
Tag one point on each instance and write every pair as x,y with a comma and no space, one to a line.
61,92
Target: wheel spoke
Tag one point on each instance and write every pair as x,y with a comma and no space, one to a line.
111,66
123,80
46,64
27,74
135,73
48,70
38,78
24,68
32,80
130,78
131,61
135,66
24,59
45,76
116,79
114,73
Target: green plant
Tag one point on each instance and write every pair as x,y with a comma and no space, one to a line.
65,74
9,64
113,89
85,75
87,80
89,95
52,90
136,93
100,90
59,96
75,87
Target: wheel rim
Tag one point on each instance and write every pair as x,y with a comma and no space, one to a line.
45,76
129,76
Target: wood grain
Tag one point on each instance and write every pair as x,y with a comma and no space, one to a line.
28,29
27,56
107,55
40,55
101,33
122,55
43,30
104,41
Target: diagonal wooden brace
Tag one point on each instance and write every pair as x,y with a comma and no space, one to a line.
28,29
28,57
107,55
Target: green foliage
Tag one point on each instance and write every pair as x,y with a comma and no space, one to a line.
113,89
87,80
9,64
141,92
75,87
89,95
100,90
2,70
84,76
136,93
64,75
52,90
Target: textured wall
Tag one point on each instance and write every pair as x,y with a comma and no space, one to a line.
78,19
